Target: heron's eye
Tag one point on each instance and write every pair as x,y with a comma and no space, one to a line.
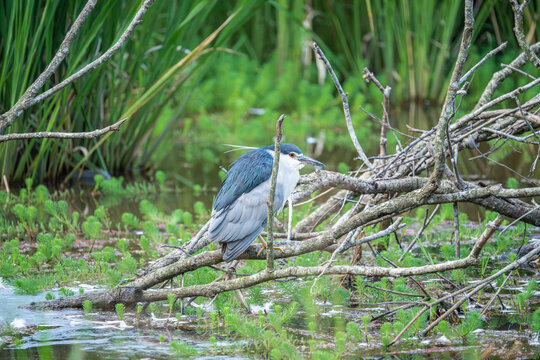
292,155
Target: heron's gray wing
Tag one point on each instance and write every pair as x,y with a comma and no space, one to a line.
243,218
246,173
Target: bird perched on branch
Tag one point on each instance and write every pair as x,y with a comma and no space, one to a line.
240,209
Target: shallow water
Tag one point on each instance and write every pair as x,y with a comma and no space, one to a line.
70,334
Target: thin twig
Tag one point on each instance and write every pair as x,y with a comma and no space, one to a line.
271,196
486,307
31,98
456,230
520,35
514,265
26,100
425,224
63,135
345,100
533,167
518,71
482,61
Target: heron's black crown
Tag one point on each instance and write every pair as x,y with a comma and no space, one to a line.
285,148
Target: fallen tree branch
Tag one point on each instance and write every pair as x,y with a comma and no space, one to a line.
131,295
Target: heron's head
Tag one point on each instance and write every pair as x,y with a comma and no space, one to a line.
292,154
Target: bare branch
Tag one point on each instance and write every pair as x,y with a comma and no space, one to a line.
448,109
512,266
27,98
63,135
491,227
502,74
271,196
137,19
345,100
369,76
482,61
31,98
520,35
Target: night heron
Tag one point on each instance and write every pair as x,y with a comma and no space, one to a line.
240,211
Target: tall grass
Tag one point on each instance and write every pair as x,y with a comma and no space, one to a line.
148,67
409,44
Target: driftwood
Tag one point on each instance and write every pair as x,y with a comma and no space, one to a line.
422,172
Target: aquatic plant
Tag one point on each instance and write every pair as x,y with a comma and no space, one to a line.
26,285
92,227
120,309
183,349
87,306
522,298
171,298
535,322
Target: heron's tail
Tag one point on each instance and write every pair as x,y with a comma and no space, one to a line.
233,249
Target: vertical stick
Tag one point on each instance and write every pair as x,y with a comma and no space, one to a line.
271,196
456,230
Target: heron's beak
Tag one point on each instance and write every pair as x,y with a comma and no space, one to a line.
310,161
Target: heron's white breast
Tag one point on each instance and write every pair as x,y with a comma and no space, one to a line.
288,174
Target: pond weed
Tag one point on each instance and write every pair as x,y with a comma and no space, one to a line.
87,306
521,300
183,349
120,310
171,299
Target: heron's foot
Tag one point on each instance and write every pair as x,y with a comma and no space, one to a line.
265,246
280,249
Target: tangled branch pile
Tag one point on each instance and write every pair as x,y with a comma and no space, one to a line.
422,172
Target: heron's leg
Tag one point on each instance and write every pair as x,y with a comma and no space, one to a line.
266,246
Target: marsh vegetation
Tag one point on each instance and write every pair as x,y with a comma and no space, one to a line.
420,241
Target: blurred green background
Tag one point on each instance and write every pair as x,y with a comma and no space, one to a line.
259,66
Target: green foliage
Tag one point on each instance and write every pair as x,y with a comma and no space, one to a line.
171,298
151,230
120,309
188,219
92,227
130,221
65,292
472,321
462,331
343,168
87,306
522,299
29,286
128,265
512,183
266,333
448,252
535,322
160,178
386,333
447,212
183,349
